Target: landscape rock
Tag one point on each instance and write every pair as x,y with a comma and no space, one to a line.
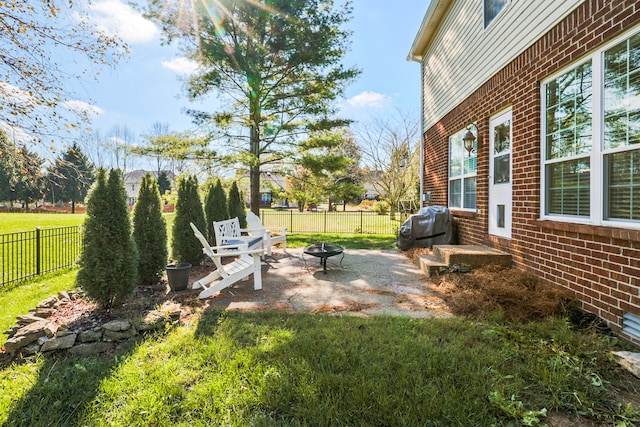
117,325
89,349
60,343
628,360
63,295
44,312
27,319
90,336
48,303
109,335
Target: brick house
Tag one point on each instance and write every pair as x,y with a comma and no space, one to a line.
531,136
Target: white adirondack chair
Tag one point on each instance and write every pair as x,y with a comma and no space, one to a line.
228,232
256,227
246,263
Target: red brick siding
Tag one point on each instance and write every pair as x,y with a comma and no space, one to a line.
601,265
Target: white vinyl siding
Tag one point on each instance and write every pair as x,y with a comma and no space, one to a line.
463,55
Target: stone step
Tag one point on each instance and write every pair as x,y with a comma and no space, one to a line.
430,265
451,258
473,256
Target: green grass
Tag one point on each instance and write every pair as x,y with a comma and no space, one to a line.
269,368
20,299
349,241
14,222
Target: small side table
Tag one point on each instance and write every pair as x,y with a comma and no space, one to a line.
324,250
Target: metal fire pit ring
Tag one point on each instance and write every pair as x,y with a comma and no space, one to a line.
324,250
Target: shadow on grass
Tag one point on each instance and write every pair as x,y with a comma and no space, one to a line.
63,390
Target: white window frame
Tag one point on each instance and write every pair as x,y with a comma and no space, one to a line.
463,176
597,156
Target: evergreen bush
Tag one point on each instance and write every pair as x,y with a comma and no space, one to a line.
215,207
150,232
236,205
185,246
109,260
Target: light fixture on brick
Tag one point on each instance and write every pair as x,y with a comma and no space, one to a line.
469,138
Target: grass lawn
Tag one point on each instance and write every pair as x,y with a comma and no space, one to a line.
271,368
14,222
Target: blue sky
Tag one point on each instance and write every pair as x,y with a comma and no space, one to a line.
146,87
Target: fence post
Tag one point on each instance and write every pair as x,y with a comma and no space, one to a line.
361,229
325,222
38,250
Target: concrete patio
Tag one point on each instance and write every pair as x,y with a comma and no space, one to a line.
364,282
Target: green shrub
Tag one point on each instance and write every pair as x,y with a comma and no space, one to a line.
150,233
215,208
236,205
382,207
185,246
109,261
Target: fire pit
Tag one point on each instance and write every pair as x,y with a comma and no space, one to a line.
324,250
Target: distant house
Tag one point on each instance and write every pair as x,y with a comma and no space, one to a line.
531,137
270,181
133,179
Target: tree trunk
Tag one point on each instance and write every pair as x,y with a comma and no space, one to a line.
73,206
254,167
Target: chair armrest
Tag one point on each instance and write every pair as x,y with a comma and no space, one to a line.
236,253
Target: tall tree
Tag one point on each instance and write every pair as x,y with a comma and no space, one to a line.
276,63
236,205
215,207
185,247
149,232
71,177
390,153
109,260
36,35
29,185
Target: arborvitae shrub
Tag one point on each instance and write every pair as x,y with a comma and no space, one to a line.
236,205
150,232
215,208
185,246
109,260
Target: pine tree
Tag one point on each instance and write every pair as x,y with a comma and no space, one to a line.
236,205
185,246
215,207
150,232
109,260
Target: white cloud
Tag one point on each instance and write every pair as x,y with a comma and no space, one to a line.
369,100
83,107
181,65
119,19
16,134
16,94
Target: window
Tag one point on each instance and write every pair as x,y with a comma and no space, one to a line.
591,147
491,9
462,173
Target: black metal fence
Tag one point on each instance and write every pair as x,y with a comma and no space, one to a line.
30,253
351,222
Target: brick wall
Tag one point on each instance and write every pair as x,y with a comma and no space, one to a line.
601,265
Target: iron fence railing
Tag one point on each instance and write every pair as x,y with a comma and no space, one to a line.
357,222
30,253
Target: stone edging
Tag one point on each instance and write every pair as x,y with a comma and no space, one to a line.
33,333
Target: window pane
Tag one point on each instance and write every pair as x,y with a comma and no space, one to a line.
623,185
491,10
568,188
455,193
470,193
501,169
569,113
622,94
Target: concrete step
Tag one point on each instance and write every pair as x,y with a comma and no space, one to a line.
450,258
430,265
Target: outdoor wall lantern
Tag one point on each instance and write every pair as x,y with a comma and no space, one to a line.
469,138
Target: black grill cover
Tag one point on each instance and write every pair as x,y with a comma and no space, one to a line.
432,225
